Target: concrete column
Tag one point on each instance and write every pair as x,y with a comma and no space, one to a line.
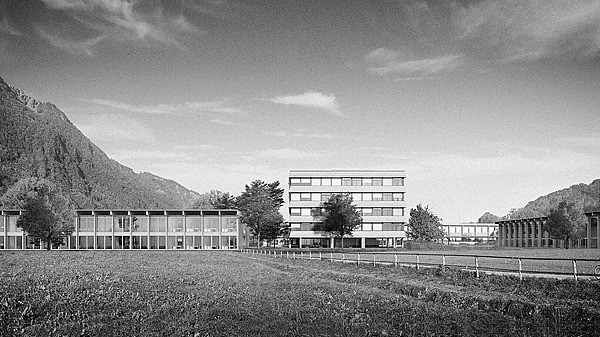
130,230
148,234
300,242
185,230
5,234
77,221
526,234
332,242
589,232
597,232
362,242
539,233
95,231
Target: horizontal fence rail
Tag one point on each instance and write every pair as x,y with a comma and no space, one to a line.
510,265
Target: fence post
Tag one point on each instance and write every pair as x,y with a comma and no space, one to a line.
343,257
444,261
358,259
310,255
575,270
301,255
520,270
374,259
476,267
320,256
331,256
417,261
395,260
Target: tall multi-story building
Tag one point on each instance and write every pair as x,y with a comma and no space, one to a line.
377,194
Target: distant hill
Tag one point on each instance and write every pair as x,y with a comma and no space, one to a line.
586,197
38,140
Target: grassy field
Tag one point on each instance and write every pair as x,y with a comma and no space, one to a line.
145,293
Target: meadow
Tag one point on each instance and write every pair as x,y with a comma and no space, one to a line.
199,293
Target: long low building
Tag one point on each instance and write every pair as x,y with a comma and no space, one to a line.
529,233
138,229
470,233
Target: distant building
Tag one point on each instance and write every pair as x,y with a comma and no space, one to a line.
470,233
593,230
377,194
138,229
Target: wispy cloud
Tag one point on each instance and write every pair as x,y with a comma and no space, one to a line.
311,99
289,154
113,128
114,20
173,109
7,28
304,133
228,123
519,30
391,62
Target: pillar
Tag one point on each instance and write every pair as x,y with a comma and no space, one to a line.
526,226
332,242
95,231
539,233
362,242
597,231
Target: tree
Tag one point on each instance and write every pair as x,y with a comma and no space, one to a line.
424,225
223,201
259,208
47,214
341,216
565,222
488,217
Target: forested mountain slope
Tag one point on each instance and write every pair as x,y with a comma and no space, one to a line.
38,140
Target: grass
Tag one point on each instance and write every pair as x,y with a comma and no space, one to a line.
145,293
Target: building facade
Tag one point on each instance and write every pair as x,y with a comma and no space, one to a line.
138,229
470,233
378,194
529,233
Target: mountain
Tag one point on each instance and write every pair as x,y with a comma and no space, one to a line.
586,197
38,140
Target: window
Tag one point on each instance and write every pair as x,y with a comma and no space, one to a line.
386,212
398,196
315,181
305,211
140,224
336,182
295,211
367,181
377,196
211,224
175,223
305,181
356,197
325,181
356,182
294,196
377,227
377,211
367,211
346,182
316,211
295,182
305,197
306,226
367,226
377,181
398,181
295,226
387,181
315,196
397,211
367,196
193,224
158,224
387,197
86,224
229,224
325,196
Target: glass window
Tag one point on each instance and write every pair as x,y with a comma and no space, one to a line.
367,196
325,181
122,224
377,196
356,182
398,181
367,226
387,181
367,181
377,227
316,211
305,181
294,211
86,223
377,181
356,197
305,197
377,211
175,223
306,226
386,212
346,182
295,196
325,196
12,224
295,226
315,181
367,211
315,197
387,197
398,197
229,224
211,224
158,224
193,223
336,182
398,211
295,181
140,223
305,211
2,228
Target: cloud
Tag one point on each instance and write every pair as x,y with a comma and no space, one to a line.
303,133
173,109
228,123
519,30
7,28
311,99
113,128
390,62
289,154
113,20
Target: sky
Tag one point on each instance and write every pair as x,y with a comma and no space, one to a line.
485,104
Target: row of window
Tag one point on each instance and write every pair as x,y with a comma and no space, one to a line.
355,196
482,230
365,226
365,211
346,181
158,224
